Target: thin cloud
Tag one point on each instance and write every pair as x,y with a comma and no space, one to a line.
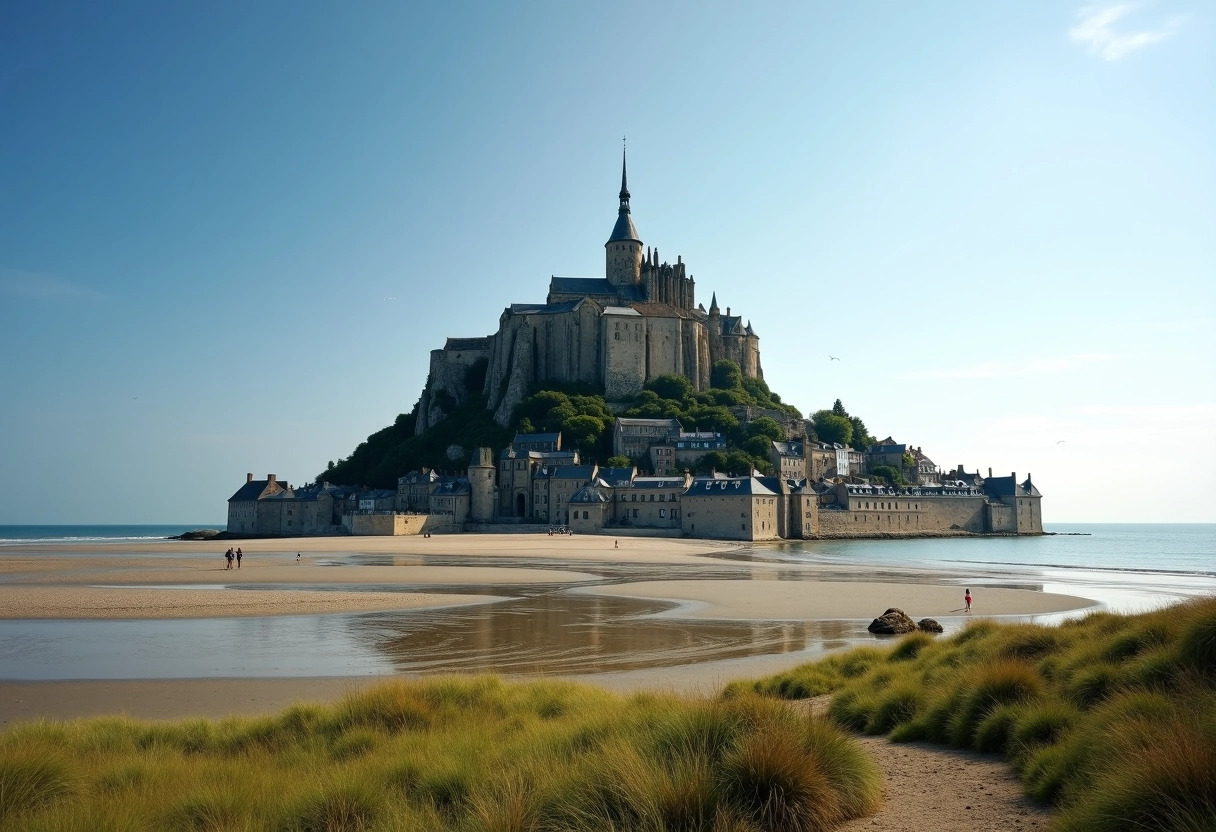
1008,369
1095,29
39,286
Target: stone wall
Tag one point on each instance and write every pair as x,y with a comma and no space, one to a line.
730,517
624,351
906,515
387,524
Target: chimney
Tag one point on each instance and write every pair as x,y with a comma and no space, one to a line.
989,473
270,478
959,469
1013,475
728,311
248,478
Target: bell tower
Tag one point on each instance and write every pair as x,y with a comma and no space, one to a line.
623,251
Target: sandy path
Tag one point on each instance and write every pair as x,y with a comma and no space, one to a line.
928,787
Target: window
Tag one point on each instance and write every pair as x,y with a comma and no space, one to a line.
635,512
662,512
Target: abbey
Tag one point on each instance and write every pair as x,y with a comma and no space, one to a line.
641,320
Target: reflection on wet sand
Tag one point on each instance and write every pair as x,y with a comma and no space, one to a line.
548,634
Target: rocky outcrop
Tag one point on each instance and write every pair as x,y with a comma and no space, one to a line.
893,622
928,625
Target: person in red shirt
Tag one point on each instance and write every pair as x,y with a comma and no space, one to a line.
967,598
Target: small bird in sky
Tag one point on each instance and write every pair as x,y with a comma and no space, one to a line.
834,358
390,298
1062,441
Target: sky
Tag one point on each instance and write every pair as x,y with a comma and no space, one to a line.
230,233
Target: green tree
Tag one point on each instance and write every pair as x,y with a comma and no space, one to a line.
830,427
712,461
764,426
757,446
889,474
582,432
676,388
838,409
726,375
618,461
861,437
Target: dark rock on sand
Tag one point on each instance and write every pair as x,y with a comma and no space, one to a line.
893,622
928,625
199,534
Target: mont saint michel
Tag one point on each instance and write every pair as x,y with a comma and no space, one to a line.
622,405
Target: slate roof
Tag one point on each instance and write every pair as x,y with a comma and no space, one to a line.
467,344
615,475
418,477
633,421
729,486
624,228
589,494
663,310
453,488
572,472
888,449
544,308
530,438
250,491
659,483
1008,487
790,448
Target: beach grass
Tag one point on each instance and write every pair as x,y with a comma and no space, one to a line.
1110,718
467,753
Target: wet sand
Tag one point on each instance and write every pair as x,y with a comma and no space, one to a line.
801,600
181,579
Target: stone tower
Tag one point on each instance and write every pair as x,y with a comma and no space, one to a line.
481,486
623,251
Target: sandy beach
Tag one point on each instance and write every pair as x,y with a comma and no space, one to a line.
699,580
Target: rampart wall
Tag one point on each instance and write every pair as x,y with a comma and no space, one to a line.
931,514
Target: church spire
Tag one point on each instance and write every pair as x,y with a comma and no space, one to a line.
624,228
713,304
624,182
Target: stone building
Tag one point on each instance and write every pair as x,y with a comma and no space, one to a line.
640,321
243,505
452,499
730,508
633,438
590,509
650,502
552,488
789,459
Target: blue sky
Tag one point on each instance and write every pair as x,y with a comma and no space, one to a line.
1002,218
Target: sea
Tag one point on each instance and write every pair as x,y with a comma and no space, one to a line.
13,535
542,630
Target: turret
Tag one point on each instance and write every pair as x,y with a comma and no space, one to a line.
623,251
481,474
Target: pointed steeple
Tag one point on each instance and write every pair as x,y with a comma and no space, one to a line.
624,228
713,304
624,184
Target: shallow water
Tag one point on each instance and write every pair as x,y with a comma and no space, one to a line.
543,629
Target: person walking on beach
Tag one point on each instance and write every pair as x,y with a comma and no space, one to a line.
228,557
967,598
297,557
238,557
